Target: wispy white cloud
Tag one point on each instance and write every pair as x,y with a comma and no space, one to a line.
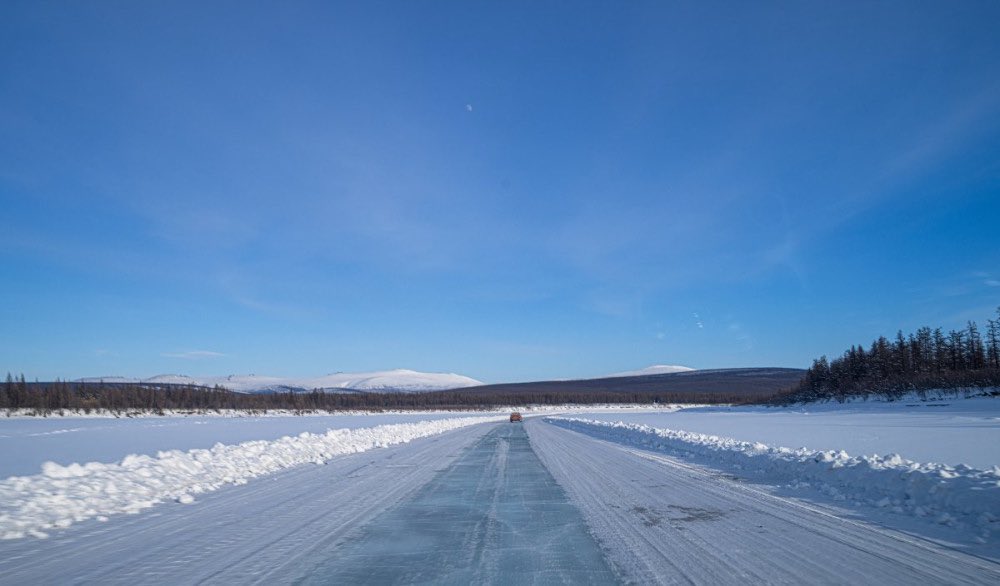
614,303
956,298
193,355
516,348
741,336
983,278
945,134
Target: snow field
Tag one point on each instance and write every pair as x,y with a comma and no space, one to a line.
27,443
957,496
63,495
962,431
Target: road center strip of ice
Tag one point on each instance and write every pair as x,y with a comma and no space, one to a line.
63,495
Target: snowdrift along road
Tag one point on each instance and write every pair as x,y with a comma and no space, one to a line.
63,495
949,494
664,521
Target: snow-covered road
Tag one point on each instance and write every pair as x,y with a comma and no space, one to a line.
266,531
491,503
662,520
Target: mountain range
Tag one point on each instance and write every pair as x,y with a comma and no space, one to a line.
398,380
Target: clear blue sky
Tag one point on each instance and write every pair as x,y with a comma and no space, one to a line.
507,190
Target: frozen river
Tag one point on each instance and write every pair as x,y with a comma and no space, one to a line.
495,515
547,501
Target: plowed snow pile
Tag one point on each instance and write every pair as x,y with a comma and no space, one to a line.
63,495
951,495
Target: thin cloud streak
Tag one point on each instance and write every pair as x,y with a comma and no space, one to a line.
194,355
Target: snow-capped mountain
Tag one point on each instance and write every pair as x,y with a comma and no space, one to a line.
649,370
399,380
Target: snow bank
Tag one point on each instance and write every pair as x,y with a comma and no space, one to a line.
958,431
63,495
950,495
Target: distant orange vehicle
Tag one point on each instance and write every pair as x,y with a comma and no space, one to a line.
515,416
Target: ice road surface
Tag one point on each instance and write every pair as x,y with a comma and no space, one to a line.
495,515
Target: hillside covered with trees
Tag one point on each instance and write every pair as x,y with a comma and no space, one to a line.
924,360
719,386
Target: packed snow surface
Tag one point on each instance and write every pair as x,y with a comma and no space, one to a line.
672,517
650,370
951,495
63,495
388,380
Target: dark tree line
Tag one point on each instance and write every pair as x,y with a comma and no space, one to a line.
56,397
924,360
45,398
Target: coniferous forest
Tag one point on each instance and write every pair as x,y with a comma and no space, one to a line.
958,360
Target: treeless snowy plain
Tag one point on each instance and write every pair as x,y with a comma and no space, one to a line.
946,430
28,442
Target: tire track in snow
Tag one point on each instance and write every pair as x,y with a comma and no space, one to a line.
662,521
63,495
243,534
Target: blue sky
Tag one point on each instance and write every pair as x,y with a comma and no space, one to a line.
510,190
